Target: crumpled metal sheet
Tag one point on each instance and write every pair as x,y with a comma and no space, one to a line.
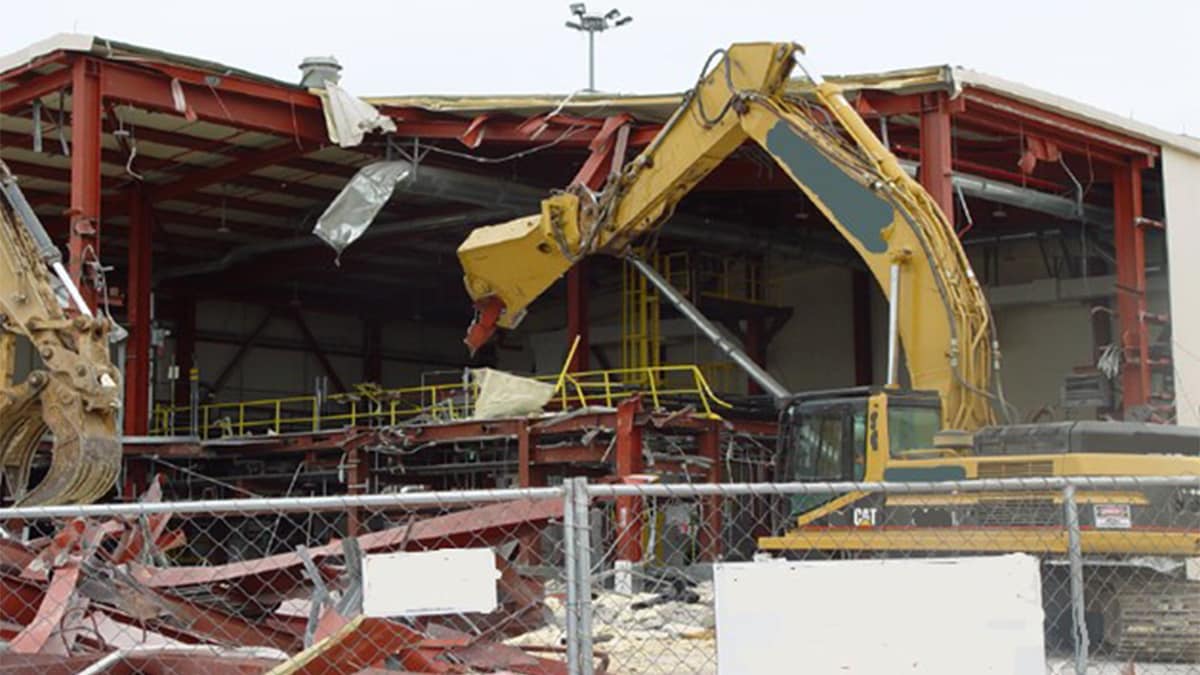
352,211
348,118
503,394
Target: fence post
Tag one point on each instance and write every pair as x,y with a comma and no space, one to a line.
1075,559
583,576
572,571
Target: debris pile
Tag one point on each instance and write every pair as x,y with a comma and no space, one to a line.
634,632
99,594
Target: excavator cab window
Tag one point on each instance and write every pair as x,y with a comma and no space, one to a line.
824,441
912,425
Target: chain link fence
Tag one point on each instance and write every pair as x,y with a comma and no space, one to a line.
615,578
306,585
1114,562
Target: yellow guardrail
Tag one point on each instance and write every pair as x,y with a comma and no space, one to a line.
370,405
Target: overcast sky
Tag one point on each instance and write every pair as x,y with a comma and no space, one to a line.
1136,59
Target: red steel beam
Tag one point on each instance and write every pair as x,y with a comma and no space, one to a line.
241,165
936,161
360,643
1131,287
292,95
84,236
567,454
607,147
227,146
45,664
987,120
986,170
34,638
1030,115
524,456
424,124
270,109
38,198
137,356
27,92
477,526
144,164
44,172
22,73
877,104
24,139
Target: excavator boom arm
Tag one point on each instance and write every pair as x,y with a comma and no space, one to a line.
75,394
832,156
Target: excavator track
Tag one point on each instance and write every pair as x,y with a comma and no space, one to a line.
1152,617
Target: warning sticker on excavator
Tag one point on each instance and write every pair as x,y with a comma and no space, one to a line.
1112,516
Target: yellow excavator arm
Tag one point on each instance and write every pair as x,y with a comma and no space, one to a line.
831,154
75,394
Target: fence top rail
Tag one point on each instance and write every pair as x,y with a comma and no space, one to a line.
285,504
979,485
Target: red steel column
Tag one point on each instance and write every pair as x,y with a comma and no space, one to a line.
629,463
935,173
577,315
529,540
137,472
524,456
137,353
529,474
1131,292
84,214
709,442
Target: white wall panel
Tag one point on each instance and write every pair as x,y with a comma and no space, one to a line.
1181,187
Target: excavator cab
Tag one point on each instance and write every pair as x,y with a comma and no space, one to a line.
825,436
850,434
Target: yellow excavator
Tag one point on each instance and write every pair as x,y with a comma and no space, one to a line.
942,424
75,394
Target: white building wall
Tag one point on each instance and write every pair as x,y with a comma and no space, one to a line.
1181,187
1040,345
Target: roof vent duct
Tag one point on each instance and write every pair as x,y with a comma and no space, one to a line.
319,70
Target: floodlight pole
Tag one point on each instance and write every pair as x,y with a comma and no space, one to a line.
591,60
592,24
